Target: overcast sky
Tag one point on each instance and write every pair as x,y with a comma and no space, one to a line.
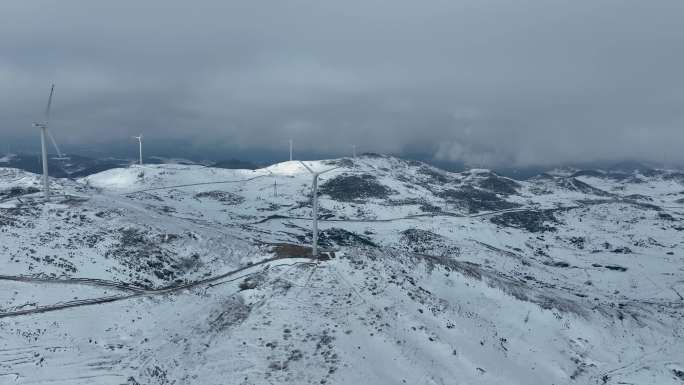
492,82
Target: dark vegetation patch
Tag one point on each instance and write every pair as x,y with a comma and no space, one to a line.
562,264
192,262
108,213
499,185
578,242
248,284
372,155
643,205
547,297
22,216
592,173
344,162
573,184
143,256
532,221
17,191
429,208
475,200
615,268
144,195
350,188
343,237
55,260
164,209
221,196
405,202
423,241
425,206
232,311
7,219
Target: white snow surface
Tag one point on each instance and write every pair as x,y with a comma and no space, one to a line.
434,277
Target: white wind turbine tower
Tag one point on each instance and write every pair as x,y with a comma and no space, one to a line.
139,147
43,146
314,190
290,150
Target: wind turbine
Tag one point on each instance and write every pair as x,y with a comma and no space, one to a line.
139,146
314,189
44,131
290,150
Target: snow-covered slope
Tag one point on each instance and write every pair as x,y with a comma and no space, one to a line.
183,274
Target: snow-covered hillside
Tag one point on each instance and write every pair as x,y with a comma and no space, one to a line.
184,274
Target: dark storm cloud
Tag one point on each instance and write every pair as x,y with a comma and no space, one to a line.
490,82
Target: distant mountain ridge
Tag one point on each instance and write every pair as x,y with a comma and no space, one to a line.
79,166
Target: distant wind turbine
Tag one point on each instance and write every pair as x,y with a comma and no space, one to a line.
43,146
314,189
140,138
290,150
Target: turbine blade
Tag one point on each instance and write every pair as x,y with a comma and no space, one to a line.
54,142
47,110
307,167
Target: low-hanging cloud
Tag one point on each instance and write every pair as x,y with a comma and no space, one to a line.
489,83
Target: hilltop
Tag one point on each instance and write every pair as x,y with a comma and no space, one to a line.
428,276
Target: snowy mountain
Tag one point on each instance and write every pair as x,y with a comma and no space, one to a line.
71,166
78,166
184,274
